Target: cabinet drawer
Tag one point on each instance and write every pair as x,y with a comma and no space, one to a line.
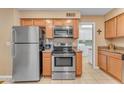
46,55
114,55
102,52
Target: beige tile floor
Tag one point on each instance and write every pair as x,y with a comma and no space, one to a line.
90,76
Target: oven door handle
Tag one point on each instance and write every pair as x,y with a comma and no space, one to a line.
63,56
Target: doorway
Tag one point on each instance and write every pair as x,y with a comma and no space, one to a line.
86,42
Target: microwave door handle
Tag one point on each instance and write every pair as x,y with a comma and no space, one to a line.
68,30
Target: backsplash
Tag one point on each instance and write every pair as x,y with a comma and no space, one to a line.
69,41
62,40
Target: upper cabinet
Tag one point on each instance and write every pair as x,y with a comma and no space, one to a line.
49,29
120,25
114,27
50,23
39,22
26,22
76,28
110,28
63,22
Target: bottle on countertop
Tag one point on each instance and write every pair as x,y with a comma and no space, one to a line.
111,46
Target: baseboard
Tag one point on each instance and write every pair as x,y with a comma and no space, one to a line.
6,77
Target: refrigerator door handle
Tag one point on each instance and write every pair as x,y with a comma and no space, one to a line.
14,35
13,45
13,50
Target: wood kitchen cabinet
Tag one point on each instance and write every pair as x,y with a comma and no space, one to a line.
50,23
58,22
114,27
27,22
115,67
75,28
39,22
33,22
111,63
49,29
110,28
120,25
63,22
47,64
102,61
78,60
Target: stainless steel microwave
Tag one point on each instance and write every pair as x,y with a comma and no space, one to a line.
63,31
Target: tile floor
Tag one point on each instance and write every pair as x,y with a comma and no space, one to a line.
90,76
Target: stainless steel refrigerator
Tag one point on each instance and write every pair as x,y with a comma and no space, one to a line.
25,53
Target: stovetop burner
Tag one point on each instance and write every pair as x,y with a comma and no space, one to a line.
61,52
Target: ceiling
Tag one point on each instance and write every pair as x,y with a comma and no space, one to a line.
94,11
83,11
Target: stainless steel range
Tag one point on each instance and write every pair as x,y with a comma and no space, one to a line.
63,63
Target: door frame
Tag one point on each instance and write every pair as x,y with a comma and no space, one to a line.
94,41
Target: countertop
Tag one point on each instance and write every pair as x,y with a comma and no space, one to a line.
118,50
77,50
47,50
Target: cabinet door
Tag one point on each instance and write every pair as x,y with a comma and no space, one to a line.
120,25
39,22
47,67
102,61
49,29
63,22
110,28
58,22
26,22
115,67
75,28
68,22
78,63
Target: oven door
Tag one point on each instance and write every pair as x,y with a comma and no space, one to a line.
63,63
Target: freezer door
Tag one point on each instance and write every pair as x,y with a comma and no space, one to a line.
26,62
25,34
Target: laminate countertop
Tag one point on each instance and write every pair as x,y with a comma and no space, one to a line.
77,50
47,50
116,50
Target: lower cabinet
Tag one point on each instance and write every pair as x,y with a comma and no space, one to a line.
78,59
115,67
111,63
47,64
102,59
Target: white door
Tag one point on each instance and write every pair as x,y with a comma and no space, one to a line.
86,41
